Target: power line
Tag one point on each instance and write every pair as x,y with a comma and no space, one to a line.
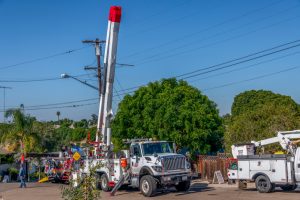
251,79
249,66
37,80
203,30
43,58
240,59
240,62
217,42
162,12
61,103
57,107
218,34
132,89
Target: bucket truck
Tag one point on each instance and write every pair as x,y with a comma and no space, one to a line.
268,170
147,165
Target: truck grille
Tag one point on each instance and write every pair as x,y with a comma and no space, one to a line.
173,162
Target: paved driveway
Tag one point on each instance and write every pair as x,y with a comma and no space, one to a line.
199,190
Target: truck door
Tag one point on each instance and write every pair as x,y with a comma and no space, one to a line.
297,165
135,157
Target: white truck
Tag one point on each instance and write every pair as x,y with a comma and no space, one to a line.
148,165
268,170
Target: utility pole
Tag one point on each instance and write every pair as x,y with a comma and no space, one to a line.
98,52
4,93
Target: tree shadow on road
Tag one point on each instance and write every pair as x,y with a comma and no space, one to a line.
195,188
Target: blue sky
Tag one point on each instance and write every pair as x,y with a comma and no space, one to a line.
162,38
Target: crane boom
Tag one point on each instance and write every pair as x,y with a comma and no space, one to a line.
109,64
284,138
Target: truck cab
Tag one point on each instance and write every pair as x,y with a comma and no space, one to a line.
155,164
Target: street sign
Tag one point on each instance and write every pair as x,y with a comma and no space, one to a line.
76,156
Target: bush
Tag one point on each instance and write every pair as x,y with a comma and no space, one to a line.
13,173
35,176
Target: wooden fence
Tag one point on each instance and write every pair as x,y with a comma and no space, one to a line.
207,165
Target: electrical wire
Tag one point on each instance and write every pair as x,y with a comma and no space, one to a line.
37,80
229,63
202,30
240,62
43,58
149,58
217,42
247,67
252,79
57,107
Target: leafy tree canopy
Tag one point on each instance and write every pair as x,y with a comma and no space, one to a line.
170,110
259,114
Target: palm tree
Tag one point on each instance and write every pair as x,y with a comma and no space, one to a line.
58,114
22,134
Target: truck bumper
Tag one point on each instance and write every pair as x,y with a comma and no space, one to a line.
174,179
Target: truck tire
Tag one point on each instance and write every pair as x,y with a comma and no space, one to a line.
104,183
288,187
148,185
98,182
263,184
183,186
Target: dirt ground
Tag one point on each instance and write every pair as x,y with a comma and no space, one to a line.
199,190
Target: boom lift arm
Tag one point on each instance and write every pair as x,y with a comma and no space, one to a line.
284,138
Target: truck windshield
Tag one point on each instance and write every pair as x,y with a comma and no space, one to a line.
156,148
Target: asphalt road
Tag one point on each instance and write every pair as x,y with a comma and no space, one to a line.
199,190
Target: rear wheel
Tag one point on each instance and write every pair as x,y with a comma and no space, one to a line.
183,186
148,185
288,187
263,184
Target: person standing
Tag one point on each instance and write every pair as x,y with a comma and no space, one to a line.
22,177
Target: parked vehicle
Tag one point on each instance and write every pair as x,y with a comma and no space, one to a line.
148,165
268,170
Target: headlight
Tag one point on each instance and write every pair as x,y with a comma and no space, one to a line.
188,165
157,168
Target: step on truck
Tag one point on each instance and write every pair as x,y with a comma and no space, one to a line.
268,170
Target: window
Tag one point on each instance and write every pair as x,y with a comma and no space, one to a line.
135,150
156,148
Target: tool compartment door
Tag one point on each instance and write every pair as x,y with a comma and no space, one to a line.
297,165
243,169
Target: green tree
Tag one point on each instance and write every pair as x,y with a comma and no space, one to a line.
259,114
170,110
21,132
58,114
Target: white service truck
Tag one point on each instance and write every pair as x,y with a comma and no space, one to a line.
268,170
148,165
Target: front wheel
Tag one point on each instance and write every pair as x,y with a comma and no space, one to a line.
183,186
148,185
263,184
104,183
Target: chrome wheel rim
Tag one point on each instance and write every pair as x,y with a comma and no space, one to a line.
145,186
103,183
